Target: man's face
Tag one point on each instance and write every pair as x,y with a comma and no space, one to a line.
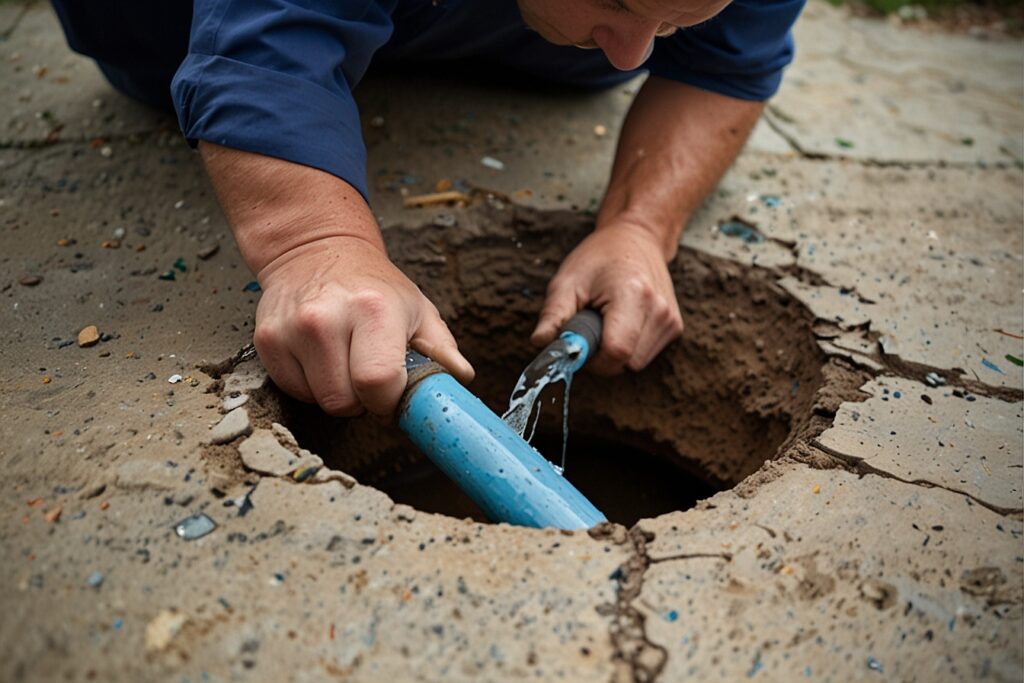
624,29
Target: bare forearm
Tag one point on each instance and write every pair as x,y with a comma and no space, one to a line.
275,206
675,144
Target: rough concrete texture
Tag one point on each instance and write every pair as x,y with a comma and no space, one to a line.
882,539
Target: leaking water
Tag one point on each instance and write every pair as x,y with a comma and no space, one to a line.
556,363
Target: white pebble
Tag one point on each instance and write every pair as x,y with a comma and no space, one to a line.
491,162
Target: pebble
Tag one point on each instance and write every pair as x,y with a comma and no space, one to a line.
106,151
162,629
263,453
492,163
119,233
232,402
233,425
29,280
174,379
89,336
195,526
600,131
95,579
208,252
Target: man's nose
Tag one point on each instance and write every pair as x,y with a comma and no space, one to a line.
626,47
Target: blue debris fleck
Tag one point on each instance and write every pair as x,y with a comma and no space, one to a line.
807,671
118,623
770,200
252,287
747,233
992,366
195,526
95,579
757,666
896,394
875,665
169,276
671,615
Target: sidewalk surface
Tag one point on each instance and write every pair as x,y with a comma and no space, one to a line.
884,198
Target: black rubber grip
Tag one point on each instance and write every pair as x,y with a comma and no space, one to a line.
587,323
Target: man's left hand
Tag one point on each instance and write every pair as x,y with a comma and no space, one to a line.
620,270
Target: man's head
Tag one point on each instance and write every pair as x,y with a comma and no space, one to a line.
624,29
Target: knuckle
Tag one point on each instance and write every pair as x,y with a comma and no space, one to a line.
371,376
311,318
370,304
617,349
339,403
267,337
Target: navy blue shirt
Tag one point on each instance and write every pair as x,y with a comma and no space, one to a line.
275,77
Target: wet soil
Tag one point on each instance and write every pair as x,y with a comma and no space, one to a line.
739,387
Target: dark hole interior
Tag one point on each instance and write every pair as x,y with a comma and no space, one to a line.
624,482
709,411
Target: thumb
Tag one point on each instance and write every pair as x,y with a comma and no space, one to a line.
434,340
559,306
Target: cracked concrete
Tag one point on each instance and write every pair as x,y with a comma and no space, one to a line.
883,537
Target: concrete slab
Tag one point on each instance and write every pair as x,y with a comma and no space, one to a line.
829,576
962,443
881,93
932,257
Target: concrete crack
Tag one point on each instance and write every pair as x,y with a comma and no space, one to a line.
636,658
864,467
6,33
773,115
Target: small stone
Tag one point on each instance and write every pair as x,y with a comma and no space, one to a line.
600,131
29,280
817,489
106,151
53,516
208,252
324,475
232,402
89,336
163,628
492,163
263,453
119,233
95,579
194,527
174,379
111,244
377,122
443,185
233,425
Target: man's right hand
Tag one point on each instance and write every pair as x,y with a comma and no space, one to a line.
334,322
336,315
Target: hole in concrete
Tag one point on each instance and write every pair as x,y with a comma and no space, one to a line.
707,413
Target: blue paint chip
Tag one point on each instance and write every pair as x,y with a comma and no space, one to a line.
747,233
875,665
992,366
252,287
671,615
118,623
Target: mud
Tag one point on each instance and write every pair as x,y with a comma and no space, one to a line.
745,383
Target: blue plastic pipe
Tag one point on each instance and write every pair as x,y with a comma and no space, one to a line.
504,475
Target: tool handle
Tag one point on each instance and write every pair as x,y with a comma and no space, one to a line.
588,324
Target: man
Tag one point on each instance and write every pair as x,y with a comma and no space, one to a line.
264,91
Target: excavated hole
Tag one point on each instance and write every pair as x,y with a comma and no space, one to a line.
733,393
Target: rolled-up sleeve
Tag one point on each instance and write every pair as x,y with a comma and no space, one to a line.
276,77
740,53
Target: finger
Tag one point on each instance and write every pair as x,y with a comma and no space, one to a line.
624,319
560,305
281,365
434,340
321,347
662,326
377,354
